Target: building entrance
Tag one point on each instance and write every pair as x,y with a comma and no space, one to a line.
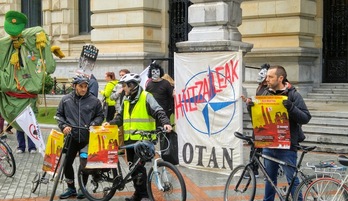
335,41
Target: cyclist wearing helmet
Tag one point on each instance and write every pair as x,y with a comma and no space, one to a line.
139,111
79,108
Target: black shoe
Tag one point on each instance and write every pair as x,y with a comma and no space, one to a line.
136,198
70,192
133,198
80,195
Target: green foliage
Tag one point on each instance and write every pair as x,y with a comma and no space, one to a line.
45,115
49,82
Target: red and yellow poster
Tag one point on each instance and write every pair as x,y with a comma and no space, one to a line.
54,147
270,121
103,147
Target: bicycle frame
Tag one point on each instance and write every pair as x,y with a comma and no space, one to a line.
135,165
263,170
283,195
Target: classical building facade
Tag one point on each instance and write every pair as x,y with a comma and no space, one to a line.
308,37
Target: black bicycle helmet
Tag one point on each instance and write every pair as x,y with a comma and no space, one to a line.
130,77
78,79
145,150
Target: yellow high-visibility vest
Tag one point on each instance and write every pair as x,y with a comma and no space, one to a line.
138,120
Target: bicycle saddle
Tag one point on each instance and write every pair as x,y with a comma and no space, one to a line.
343,160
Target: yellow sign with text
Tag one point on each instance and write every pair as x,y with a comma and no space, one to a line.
270,121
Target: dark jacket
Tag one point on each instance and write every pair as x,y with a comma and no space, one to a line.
93,86
80,111
298,114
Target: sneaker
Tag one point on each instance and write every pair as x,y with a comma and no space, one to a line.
33,151
80,195
68,193
19,151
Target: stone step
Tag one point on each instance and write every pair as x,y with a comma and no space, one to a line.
338,130
334,85
328,121
340,113
330,90
328,96
327,139
323,100
325,147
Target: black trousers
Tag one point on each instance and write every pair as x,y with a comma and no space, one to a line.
139,175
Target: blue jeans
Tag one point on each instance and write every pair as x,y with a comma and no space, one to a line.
287,156
21,142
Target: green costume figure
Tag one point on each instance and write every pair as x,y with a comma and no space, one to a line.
25,59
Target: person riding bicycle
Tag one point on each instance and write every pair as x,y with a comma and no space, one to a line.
81,109
298,115
138,112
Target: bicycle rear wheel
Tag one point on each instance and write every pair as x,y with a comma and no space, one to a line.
97,184
7,162
173,183
237,187
323,189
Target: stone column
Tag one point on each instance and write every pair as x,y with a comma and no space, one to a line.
215,27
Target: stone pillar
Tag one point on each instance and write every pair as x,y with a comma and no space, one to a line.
215,27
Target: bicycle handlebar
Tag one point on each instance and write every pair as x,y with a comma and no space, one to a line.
62,121
160,130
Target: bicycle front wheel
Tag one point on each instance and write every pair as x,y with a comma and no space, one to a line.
239,186
324,189
97,184
57,177
171,180
7,162
302,187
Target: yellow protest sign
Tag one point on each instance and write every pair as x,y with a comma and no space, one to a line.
270,121
54,147
103,147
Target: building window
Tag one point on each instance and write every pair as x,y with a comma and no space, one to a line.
84,17
32,9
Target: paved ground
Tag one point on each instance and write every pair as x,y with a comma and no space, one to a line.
201,185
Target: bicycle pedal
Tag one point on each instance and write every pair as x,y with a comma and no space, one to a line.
44,180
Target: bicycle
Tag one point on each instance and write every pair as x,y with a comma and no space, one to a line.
59,168
164,182
7,161
330,188
238,187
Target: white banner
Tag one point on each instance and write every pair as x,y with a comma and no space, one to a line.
208,109
144,77
27,121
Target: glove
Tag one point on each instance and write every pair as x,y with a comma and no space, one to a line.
288,104
250,103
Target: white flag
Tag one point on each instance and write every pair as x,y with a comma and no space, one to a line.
144,78
27,121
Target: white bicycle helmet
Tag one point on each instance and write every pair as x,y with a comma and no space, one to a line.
130,77
145,150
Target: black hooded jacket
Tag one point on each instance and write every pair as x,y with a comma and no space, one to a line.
298,114
82,111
